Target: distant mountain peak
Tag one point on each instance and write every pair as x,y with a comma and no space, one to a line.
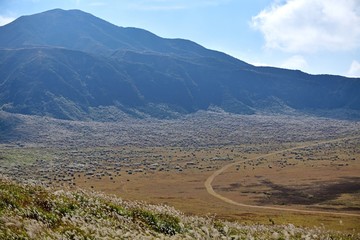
70,64
78,30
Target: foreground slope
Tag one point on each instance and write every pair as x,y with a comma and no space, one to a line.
73,65
32,212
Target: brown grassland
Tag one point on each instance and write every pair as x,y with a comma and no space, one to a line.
328,182
168,162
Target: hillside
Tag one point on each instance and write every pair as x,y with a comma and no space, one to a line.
32,212
74,71
73,65
78,30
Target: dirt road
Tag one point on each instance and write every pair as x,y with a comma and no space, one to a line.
210,190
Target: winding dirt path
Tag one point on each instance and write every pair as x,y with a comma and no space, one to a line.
211,191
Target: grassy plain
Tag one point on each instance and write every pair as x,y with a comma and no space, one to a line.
328,182
168,162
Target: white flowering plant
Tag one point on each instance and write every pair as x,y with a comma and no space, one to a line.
33,212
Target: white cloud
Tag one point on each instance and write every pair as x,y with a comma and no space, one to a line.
261,64
295,62
310,25
354,70
5,20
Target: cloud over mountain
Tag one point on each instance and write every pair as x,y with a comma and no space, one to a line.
295,62
310,25
5,20
354,70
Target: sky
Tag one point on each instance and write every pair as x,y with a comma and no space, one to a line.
315,36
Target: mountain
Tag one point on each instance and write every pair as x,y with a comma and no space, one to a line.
73,65
82,31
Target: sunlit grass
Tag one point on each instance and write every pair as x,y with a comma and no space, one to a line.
32,212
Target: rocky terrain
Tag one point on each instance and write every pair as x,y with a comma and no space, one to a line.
204,128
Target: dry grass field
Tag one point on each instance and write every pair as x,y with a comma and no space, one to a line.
168,162
322,178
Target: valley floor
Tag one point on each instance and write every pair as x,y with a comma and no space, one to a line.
257,166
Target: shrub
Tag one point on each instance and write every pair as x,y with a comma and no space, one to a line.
162,223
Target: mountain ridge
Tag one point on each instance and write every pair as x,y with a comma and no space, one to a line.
49,68
87,25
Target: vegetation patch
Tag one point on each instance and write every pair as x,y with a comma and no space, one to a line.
32,212
24,156
163,223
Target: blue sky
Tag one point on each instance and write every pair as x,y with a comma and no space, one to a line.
316,36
